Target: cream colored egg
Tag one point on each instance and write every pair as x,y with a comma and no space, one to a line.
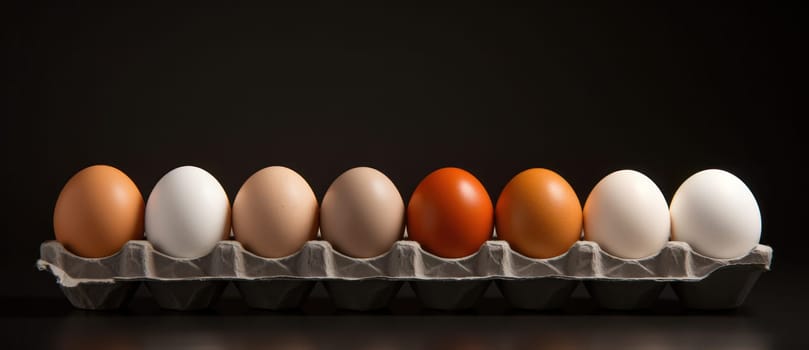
627,215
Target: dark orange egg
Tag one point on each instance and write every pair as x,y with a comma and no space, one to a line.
450,213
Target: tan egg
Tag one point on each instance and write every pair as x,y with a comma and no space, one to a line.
98,210
363,213
275,213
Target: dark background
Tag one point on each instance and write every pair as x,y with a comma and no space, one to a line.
323,88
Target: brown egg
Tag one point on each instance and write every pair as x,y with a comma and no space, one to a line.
539,214
98,210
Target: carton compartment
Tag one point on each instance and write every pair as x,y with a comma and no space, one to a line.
362,295
186,295
101,296
450,295
537,293
277,294
624,295
725,288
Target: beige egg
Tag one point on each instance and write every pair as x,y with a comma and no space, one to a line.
362,213
275,213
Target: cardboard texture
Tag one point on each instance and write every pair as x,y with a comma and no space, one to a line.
364,284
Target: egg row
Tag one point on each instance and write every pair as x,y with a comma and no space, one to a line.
450,214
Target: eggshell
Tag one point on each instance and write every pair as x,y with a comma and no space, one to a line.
627,215
717,214
187,213
362,214
98,210
539,214
275,212
450,213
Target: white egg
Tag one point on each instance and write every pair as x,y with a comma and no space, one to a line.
362,214
187,213
716,214
627,215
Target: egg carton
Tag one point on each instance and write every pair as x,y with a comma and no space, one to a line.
363,284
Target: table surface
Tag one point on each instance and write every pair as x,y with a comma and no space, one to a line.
774,317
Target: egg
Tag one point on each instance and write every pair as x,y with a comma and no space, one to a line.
187,213
538,214
450,214
275,213
362,214
717,214
98,210
627,215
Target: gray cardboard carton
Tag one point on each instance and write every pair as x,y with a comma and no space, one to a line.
363,284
